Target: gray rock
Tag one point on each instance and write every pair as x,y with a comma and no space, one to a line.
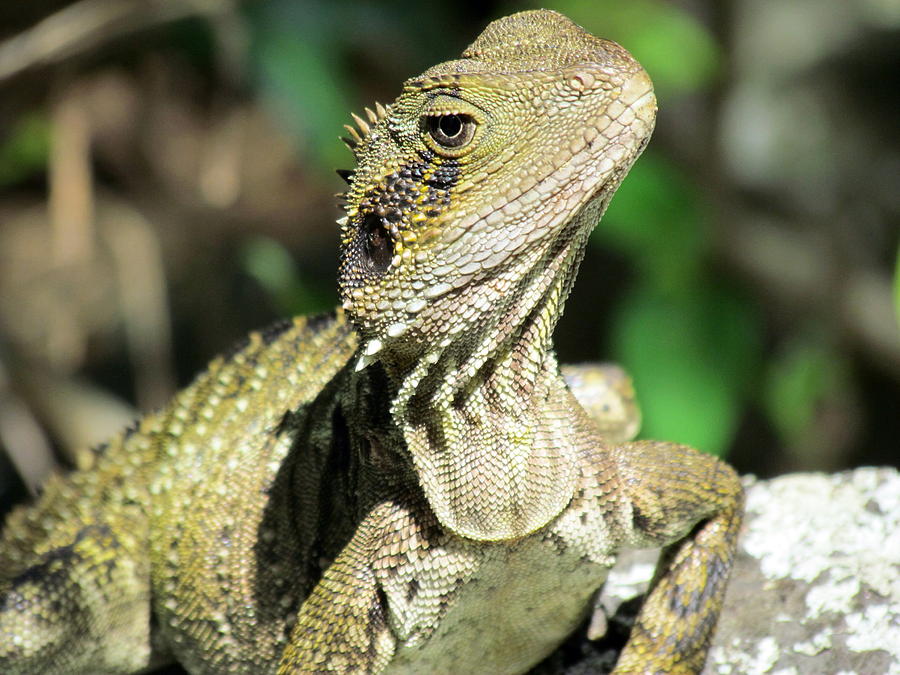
815,589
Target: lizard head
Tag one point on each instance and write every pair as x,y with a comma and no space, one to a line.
486,172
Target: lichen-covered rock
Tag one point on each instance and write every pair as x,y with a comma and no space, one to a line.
815,588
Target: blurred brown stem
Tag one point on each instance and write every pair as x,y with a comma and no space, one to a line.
87,24
71,201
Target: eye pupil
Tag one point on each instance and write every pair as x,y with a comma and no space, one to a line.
450,125
450,131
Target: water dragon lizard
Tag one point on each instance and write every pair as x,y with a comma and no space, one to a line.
406,485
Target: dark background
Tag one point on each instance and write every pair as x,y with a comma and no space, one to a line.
167,179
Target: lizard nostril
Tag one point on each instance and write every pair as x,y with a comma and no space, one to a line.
379,246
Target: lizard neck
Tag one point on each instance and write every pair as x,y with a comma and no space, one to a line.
505,357
489,406
507,352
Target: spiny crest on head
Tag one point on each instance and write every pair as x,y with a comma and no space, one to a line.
363,128
358,135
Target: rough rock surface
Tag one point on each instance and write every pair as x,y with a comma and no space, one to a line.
815,589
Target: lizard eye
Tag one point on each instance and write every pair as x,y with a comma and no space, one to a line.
450,131
378,244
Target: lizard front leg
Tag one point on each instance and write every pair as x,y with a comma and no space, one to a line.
692,503
342,625
381,605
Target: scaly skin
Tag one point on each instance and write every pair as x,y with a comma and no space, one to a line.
409,485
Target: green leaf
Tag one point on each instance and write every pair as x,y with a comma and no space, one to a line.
692,359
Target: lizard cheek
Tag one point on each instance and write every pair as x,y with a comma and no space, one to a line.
378,245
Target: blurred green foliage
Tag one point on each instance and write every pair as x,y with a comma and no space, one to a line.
297,63
692,344
24,150
693,357
804,373
305,60
271,265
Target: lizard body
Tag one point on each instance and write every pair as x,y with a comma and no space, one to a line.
408,485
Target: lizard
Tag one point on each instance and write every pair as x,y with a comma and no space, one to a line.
408,484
